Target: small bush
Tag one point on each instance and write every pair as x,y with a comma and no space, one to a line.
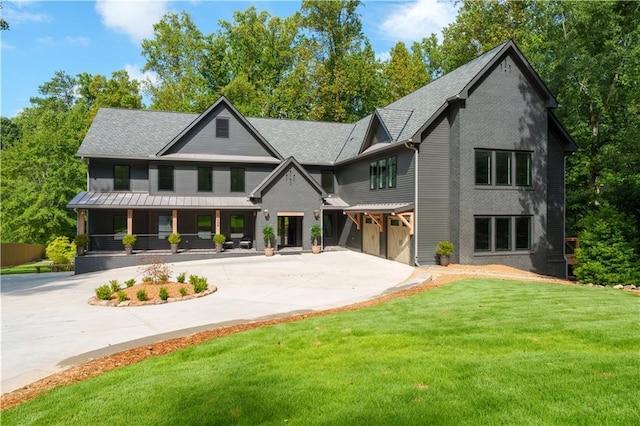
199,283
182,277
122,296
147,279
115,286
157,270
61,250
183,291
130,283
142,295
163,278
103,292
164,293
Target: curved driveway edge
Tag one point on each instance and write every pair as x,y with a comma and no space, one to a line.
46,318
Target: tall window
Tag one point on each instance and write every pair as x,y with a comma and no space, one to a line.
165,227
502,233
237,179
503,163
383,173
327,178
165,178
205,179
222,127
393,171
205,226
121,178
119,226
236,224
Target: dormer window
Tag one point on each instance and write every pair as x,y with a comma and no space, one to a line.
222,128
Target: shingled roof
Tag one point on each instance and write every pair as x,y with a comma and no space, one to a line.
141,134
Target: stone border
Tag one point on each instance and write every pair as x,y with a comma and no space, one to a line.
127,303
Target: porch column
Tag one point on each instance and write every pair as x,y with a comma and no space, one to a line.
217,221
174,221
80,225
129,221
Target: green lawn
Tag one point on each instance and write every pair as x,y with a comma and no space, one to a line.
479,351
27,268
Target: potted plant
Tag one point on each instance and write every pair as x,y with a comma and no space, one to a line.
174,239
267,233
128,241
444,251
219,240
81,243
316,233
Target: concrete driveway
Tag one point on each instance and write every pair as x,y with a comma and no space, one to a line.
47,324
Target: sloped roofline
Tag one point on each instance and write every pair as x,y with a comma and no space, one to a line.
238,116
277,172
571,145
367,134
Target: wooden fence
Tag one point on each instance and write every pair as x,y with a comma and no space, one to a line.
19,253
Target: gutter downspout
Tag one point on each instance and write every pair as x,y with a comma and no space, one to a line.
411,145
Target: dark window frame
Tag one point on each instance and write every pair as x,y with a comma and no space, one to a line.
120,182
519,230
204,233
119,231
490,165
383,173
206,180
327,179
164,234
166,183
237,183
222,128
392,170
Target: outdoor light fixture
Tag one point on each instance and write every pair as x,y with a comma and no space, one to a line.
316,214
265,212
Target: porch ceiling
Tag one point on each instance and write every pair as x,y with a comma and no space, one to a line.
142,200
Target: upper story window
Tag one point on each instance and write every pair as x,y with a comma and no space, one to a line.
121,178
205,179
222,127
327,179
237,179
165,178
497,168
383,173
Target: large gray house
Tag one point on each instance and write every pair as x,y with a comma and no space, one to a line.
475,157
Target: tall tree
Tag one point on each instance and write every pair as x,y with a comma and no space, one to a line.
177,56
404,72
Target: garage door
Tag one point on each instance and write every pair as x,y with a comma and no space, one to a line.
398,241
370,237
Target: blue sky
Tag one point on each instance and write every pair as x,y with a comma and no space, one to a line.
100,37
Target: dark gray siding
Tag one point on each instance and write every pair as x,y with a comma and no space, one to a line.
353,180
202,138
433,191
101,174
556,206
504,112
186,177
284,195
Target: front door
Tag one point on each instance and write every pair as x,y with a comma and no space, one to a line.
290,231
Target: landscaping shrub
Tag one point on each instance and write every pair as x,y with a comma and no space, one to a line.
182,277
147,279
130,283
142,295
606,254
122,296
115,286
157,270
103,292
183,291
199,283
164,293
61,250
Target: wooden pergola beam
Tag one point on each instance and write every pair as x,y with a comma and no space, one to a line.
407,219
377,219
355,217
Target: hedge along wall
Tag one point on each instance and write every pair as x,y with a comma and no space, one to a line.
19,253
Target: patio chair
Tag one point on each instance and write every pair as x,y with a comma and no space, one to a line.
246,242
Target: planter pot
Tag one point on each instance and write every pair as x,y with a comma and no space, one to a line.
268,251
315,249
219,248
80,251
174,248
444,260
128,249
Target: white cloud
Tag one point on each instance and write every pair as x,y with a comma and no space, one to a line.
82,41
136,73
134,18
413,21
16,13
383,57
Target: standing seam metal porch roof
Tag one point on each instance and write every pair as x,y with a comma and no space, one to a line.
142,200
